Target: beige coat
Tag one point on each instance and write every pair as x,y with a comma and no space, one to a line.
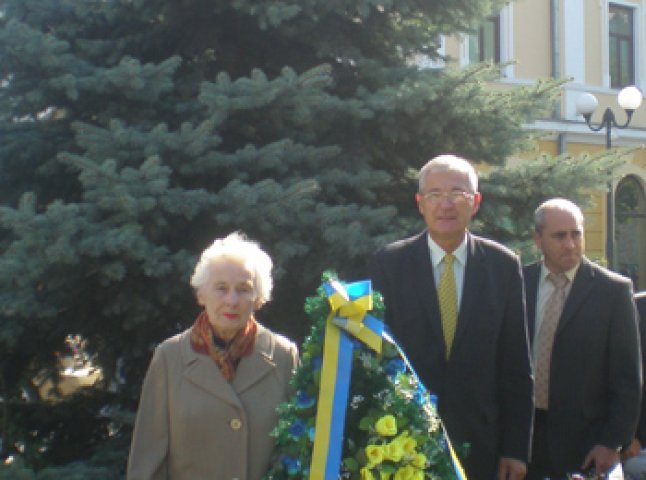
194,425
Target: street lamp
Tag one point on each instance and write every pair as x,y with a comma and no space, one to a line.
629,98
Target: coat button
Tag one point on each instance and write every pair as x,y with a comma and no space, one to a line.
235,424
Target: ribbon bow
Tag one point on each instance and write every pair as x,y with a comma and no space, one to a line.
351,304
348,318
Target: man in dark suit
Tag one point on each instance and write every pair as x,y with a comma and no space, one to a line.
593,374
635,456
478,364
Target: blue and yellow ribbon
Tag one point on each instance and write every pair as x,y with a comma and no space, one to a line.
349,306
348,317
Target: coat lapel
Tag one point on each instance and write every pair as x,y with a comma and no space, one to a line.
203,372
258,365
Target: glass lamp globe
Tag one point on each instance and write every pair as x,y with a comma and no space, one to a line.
630,98
586,103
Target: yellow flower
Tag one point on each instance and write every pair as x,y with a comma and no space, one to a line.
393,451
366,474
418,475
419,460
386,426
375,454
407,443
406,473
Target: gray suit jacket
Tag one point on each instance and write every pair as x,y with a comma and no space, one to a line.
193,424
595,374
485,388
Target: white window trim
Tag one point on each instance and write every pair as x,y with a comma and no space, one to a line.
507,40
438,62
464,50
424,61
574,40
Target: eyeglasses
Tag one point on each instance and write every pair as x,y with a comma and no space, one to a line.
454,196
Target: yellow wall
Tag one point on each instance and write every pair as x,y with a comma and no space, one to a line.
593,42
531,51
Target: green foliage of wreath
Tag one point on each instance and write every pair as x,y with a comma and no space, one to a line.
392,430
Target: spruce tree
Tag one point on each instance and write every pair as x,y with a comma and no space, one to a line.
134,132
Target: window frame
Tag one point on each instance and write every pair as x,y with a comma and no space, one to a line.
639,71
505,47
620,40
495,21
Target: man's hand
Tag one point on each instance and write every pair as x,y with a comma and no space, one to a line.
633,450
602,457
511,469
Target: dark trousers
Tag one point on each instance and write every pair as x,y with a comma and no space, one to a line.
540,467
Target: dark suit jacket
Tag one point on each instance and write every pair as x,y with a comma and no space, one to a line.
640,301
485,389
595,374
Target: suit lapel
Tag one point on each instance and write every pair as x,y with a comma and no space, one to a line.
532,272
581,287
474,283
422,268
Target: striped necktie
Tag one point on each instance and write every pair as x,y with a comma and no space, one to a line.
545,339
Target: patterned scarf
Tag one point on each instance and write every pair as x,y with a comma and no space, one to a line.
225,357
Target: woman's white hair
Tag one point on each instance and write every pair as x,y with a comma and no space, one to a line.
236,246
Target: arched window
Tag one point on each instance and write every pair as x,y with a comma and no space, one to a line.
630,211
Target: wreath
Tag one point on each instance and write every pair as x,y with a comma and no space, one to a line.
391,428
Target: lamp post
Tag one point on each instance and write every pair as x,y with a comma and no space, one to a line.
629,98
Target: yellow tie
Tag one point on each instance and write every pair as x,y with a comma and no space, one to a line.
448,302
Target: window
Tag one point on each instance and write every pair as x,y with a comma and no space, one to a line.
485,45
621,37
424,61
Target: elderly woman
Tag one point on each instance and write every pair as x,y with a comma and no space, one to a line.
208,402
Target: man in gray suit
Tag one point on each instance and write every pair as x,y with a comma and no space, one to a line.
589,408
478,363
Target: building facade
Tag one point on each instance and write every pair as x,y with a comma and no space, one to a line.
600,46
